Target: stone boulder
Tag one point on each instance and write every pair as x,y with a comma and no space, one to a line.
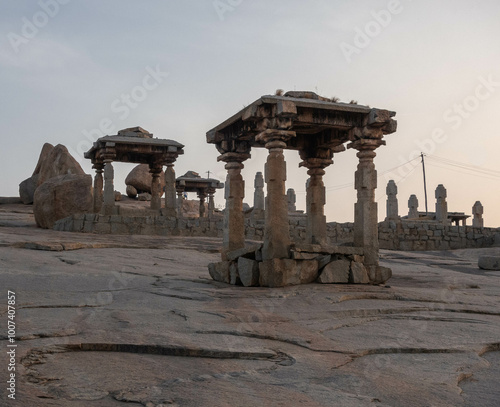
27,189
131,191
28,186
58,162
62,196
140,178
489,262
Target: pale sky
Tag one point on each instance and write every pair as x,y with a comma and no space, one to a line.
179,68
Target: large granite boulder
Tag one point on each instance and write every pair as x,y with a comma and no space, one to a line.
62,196
140,178
58,162
28,186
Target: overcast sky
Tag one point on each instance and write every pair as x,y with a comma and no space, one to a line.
74,70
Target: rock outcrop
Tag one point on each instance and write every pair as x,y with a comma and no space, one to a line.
28,186
58,162
62,196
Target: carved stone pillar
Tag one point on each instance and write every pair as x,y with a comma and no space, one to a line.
277,229
109,188
258,196
202,195
291,200
234,220
441,204
365,209
477,212
413,207
316,199
392,200
98,187
170,193
156,192
211,202
180,198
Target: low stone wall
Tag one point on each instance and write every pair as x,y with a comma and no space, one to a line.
393,235
429,235
141,225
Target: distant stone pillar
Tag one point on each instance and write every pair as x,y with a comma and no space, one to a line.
170,193
477,212
258,196
392,200
234,220
316,199
202,196
211,202
156,192
291,200
441,205
365,209
109,188
180,197
277,229
413,207
98,187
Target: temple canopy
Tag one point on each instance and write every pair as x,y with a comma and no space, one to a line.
192,182
315,123
134,145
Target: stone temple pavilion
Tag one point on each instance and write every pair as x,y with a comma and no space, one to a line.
316,128
134,145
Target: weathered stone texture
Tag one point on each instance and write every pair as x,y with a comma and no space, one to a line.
62,196
248,271
336,271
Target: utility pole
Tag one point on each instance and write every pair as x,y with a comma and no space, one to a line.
208,172
425,184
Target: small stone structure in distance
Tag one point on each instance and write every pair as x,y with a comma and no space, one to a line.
316,128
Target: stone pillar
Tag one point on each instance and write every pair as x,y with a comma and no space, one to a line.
291,200
413,207
170,195
202,196
258,196
180,198
211,202
441,205
109,188
316,200
156,191
477,212
277,229
233,237
98,187
365,209
392,200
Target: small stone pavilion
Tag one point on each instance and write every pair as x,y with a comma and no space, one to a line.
204,187
317,128
134,145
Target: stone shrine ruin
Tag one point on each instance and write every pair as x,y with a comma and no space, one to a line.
203,187
134,145
317,128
